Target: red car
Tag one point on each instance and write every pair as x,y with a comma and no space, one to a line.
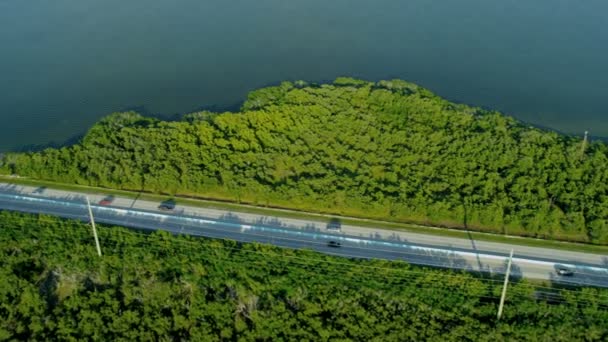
107,201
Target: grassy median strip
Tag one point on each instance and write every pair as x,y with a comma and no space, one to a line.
286,213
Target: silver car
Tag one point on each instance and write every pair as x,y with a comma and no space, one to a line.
564,271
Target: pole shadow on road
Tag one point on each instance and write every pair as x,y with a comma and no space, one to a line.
231,217
268,221
10,188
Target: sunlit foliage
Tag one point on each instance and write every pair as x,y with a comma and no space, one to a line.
389,150
159,287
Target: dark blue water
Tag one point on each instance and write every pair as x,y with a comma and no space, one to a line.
66,63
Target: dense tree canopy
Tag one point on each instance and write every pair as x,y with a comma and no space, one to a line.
159,287
388,150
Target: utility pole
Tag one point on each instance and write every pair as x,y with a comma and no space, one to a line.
93,224
584,144
504,287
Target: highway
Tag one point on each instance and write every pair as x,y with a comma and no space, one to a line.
356,241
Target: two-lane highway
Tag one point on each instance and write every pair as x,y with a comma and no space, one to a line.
359,242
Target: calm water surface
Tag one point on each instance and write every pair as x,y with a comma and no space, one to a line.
66,63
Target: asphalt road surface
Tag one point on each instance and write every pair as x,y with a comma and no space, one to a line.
356,242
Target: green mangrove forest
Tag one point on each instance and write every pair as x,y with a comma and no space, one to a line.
389,150
160,287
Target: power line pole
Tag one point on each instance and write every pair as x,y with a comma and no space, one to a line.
93,224
584,144
504,287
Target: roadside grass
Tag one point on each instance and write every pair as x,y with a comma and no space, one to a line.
324,218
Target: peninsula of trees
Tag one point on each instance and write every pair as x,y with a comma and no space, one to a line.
389,150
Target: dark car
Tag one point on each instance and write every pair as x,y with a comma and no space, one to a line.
107,200
166,207
39,190
334,244
564,271
334,225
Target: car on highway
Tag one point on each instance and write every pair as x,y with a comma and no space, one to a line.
334,244
334,225
107,200
564,271
167,205
39,190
